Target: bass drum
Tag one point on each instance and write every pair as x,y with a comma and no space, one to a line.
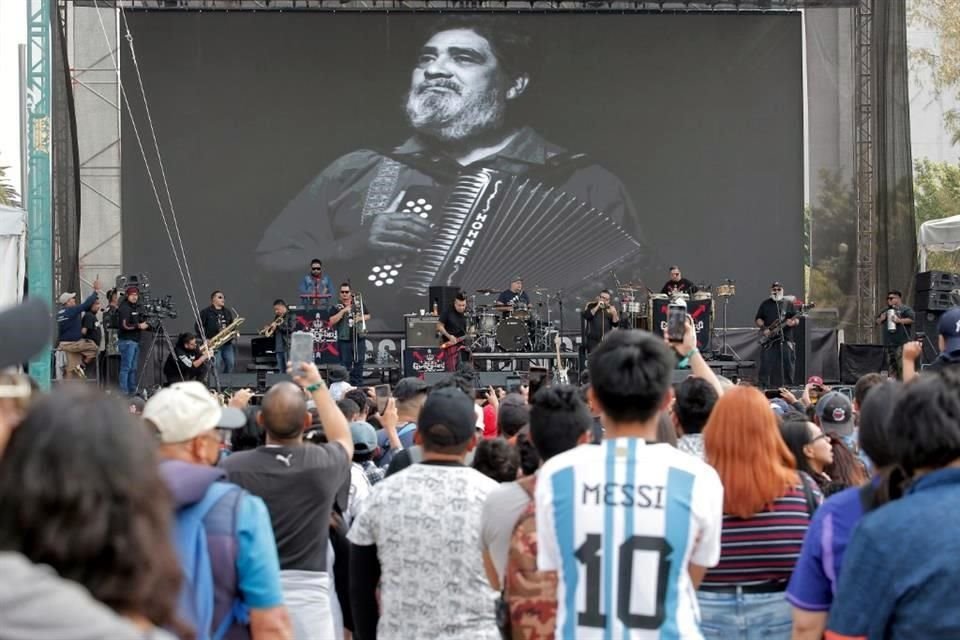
513,334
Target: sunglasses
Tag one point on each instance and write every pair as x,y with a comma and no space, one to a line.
316,268
890,297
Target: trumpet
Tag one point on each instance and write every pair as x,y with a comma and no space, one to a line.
226,334
271,328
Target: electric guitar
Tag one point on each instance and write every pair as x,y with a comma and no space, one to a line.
774,327
561,371
452,343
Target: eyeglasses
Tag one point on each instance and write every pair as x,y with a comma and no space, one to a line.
822,436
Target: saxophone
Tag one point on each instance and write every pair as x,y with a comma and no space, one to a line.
226,334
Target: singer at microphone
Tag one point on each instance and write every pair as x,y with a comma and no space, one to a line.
897,321
601,317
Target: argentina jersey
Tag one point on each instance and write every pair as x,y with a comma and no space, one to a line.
620,523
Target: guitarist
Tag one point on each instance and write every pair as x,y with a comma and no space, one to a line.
452,327
776,320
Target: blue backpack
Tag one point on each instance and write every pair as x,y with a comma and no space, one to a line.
196,601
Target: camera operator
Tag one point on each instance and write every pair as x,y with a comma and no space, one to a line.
187,362
130,323
600,317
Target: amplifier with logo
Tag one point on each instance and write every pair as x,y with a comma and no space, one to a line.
700,310
418,361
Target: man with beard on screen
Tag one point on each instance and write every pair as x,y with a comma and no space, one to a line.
368,212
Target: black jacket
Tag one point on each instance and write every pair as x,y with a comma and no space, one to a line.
214,320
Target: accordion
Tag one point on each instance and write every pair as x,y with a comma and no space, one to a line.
494,226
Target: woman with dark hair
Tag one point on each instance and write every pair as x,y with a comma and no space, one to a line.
811,449
899,577
847,470
80,491
766,513
812,585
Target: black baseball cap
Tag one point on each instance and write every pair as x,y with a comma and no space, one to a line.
447,418
835,412
949,328
409,387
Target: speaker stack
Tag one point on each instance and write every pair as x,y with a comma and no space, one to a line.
936,292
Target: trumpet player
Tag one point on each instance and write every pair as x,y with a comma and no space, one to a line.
215,319
349,321
280,328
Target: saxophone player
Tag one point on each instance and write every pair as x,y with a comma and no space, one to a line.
280,329
349,320
215,319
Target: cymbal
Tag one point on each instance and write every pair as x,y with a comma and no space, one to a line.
486,292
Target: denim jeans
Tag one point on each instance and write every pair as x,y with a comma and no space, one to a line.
226,358
281,361
744,616
129,360
345,347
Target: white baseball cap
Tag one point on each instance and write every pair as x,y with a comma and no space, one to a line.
184,410
65,297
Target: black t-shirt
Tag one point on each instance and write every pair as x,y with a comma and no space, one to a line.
92,325
901,332
214,321
179,366
299,485
454,322
129,316
511,298
683,286
770,310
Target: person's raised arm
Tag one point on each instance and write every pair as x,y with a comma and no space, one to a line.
688,351
911,352
334,423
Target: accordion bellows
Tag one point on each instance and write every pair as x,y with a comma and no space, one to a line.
495,226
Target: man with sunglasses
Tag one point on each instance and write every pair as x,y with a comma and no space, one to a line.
213,320
316,289
776,319
897,329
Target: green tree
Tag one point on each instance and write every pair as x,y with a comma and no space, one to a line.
937,195
8,195
942,17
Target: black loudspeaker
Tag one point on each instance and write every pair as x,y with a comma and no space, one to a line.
935,300
441,298
801,336
274,378
421,332
926,322
936,281
238,380
859,359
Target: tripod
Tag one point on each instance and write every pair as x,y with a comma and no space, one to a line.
157,342
724,346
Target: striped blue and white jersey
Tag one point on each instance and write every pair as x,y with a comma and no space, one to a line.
620,522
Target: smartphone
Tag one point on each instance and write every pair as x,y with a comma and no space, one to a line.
772,393
301,349
676,321
382,394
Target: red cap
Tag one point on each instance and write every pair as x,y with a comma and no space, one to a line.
131,289
815,380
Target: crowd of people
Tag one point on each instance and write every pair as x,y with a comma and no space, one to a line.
626,506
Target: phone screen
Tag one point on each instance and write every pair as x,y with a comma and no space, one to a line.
301,349
382,392
676,322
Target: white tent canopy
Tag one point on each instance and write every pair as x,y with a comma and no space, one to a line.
13,254
938,235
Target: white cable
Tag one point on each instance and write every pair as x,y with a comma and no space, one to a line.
191,300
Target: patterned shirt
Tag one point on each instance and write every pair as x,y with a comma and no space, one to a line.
692,444
374,473
425,523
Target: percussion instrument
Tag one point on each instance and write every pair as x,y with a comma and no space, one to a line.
513,334
486,323
521,310
727,290
703,295
658,296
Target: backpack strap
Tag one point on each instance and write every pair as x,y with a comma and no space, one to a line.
809,498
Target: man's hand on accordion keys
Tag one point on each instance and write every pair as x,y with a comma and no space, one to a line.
398,231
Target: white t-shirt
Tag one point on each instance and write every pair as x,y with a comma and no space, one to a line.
425,522
360,488
620,523
501,511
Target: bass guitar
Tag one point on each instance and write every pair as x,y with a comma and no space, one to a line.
775,334
562,375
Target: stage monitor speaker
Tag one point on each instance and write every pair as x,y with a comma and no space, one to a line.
238,380
859,359
421,332
274,378
442,297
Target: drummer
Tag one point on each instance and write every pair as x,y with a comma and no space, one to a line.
677,284
512,298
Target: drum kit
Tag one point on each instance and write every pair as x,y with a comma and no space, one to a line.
526,328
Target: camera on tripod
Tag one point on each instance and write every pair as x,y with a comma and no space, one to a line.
157,307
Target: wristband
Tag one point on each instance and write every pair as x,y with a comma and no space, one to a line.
685,362
315,386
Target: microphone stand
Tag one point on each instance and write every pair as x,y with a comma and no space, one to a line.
781,317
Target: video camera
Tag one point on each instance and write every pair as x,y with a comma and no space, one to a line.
156,307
